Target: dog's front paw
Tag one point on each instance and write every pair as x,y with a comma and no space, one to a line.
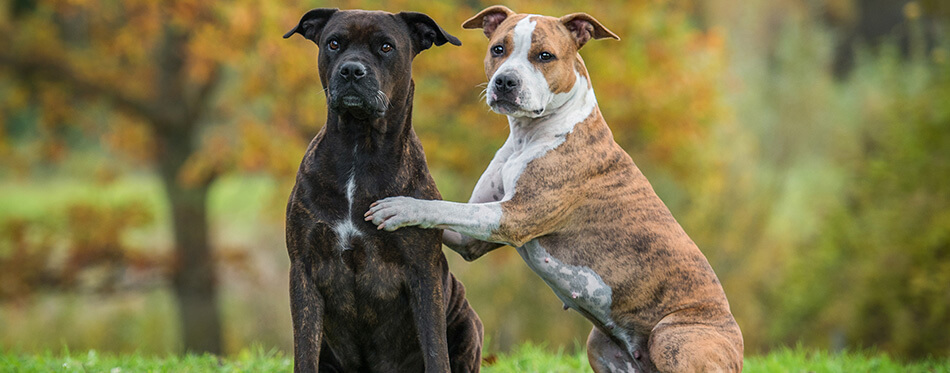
396,212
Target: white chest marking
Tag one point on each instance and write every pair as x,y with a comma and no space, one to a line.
345,229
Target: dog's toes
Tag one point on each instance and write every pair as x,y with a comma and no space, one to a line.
375,208
378,221
387,225
380,216
390,222
390,225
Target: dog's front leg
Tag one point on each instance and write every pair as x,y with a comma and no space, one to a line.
307,312
489,188
513,222
427,300
469,248
476,220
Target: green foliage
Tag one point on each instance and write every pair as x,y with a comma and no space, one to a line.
83,234
825,215
137,311
895,227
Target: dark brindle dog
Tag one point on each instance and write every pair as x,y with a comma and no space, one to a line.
362,299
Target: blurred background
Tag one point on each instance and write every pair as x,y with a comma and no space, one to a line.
147,150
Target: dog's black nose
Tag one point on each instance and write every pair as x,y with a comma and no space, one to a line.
352,70
505,83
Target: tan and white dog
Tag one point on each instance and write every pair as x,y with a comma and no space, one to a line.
579,211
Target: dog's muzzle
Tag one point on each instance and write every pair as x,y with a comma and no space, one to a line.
354,90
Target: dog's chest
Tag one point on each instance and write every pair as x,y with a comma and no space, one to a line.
518,152
346,228
351,259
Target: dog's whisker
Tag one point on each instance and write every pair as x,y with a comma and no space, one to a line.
384,100
483,94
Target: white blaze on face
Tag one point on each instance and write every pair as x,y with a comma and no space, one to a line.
533,93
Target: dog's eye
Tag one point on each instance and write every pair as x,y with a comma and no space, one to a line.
386,48
545,56
498,50
333,45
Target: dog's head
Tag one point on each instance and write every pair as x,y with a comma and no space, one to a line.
366,56
532,58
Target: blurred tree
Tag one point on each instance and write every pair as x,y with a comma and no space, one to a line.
896,223
873,23
826,223
135,56
158,68
92,233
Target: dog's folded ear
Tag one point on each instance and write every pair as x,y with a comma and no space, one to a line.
488,19
312,23
584,27
425,32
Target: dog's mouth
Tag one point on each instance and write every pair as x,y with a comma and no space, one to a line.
352,102
509,107
357,104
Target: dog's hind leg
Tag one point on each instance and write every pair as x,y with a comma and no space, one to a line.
678,345
605,356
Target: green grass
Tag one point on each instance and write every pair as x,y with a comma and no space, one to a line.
533,358
92,361
803,360
527,358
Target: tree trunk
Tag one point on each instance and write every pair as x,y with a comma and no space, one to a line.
193,271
